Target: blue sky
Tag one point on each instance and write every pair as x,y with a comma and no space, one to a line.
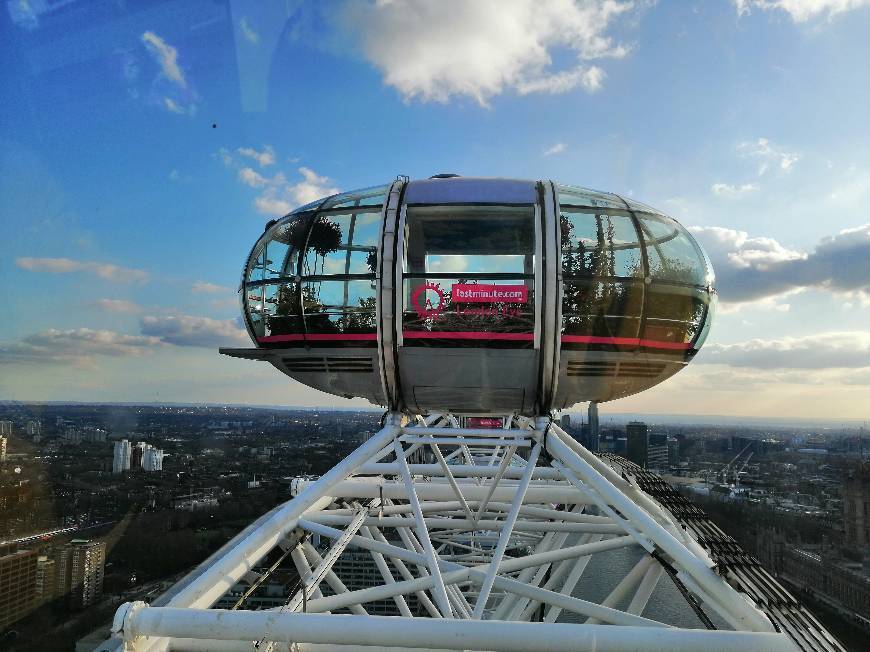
143,148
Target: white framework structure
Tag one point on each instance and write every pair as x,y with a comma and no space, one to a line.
490,530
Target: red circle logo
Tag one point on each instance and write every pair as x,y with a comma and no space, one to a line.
422,300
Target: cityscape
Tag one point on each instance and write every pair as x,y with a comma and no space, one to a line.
89,494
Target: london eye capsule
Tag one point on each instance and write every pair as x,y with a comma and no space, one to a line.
477,295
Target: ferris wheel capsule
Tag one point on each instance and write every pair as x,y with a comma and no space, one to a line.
477,295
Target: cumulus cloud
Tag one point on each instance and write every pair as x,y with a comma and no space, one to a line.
187,330
848,349
117,305
264,157
251,177
204,287
278,194
77,346
432,51
753,268
732,190
105,271
558,148
801,10
767,154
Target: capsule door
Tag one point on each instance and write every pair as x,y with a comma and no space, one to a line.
469,331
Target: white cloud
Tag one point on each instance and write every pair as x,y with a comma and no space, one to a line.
77,346
105,271
433,51
558,148
174,175
248,32
204,287
264,157
733,190
801,10
278,195
768,155
174,107
187,330
166,56
252,178
849,349
118,305
750,269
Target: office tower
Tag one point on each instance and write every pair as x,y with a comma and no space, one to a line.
5,428
80,568
565,422
33,428
637,445
121,458
657,451
592,438
17,585
3,442
673,452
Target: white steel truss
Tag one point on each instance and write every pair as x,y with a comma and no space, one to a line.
476,539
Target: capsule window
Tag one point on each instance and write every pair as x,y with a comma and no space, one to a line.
599,245
469,269
671,253
674,313
593,310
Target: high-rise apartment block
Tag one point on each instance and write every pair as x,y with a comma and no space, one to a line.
46,579
153,459
3,442
80,568
121,457
17,585
5,428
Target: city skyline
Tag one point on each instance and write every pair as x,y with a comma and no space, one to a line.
138,173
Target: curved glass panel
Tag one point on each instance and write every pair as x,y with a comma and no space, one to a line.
674,313
373,196
601,313
275,257
343,243
599,245
712,307
640,207
577,196
339,306
671,252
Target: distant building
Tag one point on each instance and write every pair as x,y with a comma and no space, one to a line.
673,452
593,436
137,454
121,457
3,449
565,422
637,434
46,578
33,428
657,451
5,428
153,459
856,507
17,585
80,568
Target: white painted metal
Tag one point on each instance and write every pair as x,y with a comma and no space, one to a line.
467,547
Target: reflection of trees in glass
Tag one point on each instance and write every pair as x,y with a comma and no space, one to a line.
324,239
596,307
672,316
